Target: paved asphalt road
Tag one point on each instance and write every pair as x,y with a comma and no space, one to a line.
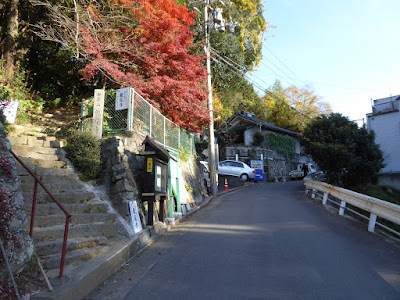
263,242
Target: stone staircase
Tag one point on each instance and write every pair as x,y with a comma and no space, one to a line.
93,226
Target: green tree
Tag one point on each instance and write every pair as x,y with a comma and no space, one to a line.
308,103
8,38
277,109
251,26
347,154
32,68
53,73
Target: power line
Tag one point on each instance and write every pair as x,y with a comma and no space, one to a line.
290,70
240,68
234,69
265,65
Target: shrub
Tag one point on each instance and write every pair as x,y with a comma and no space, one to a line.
258,139
348,155
85,154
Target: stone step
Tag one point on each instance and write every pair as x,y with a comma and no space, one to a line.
81,230
27,187
48,130
26,153
24,150
67,172
46,164
76,219
72,208
55,246
35,141
32,134
53,261
43,197
53,181
27,128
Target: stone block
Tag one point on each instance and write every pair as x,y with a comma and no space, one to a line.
122,186
121,150
118,177
118,169
178,215
56,144
115,159
170,221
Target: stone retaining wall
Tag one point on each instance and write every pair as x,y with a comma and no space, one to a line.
124,168
18,244
390,179
275,165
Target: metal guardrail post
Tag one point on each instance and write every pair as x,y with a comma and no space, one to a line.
325,199
33,207
151,121
164,131
64,250
81,118
372,222
342,208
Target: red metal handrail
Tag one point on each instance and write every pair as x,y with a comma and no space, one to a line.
68,215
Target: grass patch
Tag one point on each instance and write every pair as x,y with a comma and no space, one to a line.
382,192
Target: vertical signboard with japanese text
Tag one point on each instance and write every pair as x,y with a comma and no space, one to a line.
98,112
135,219
122,99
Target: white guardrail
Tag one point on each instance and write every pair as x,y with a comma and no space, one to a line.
374,206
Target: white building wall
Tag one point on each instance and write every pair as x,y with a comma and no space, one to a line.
248,135
387,135
297,148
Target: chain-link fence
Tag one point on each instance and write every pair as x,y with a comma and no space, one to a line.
141,117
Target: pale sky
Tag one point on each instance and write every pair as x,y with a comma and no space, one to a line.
348,51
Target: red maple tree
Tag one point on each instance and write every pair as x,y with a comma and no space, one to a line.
145,44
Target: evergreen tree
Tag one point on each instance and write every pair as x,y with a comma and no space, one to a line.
347,154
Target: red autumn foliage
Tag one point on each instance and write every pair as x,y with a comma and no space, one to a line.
152,55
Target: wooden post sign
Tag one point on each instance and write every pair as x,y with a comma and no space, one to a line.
98,111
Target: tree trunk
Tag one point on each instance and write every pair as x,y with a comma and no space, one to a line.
9,46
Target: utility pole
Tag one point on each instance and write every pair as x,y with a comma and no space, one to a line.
211,139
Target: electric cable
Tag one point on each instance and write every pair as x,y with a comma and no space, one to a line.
236,70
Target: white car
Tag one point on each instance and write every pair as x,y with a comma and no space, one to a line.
236,168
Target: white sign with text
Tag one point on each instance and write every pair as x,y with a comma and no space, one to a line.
98,113
9,109
122,99
135,219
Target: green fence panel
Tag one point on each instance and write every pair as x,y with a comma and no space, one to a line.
143,119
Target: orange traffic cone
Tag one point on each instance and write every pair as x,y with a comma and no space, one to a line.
226,184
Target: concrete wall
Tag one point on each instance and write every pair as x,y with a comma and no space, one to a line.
274,164
248,135
389,179
387,134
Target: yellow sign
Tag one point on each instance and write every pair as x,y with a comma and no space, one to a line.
149,165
